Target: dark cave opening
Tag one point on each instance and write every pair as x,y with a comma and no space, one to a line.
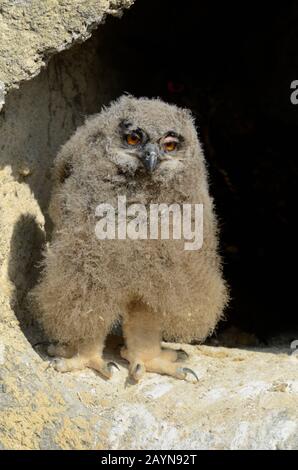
232,65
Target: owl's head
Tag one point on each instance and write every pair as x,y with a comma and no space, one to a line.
148,135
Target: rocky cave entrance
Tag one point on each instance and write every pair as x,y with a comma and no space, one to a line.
235,76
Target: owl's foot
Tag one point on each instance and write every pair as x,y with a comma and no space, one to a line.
159,366
81,362
144,351
164,363
85,356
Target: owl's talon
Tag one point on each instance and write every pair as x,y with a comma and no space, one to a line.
181,355
186,371
137,372
112,364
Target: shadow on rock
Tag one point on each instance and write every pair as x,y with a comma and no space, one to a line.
26,247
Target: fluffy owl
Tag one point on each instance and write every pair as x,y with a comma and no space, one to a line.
149,152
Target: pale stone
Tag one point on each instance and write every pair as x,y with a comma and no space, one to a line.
245,399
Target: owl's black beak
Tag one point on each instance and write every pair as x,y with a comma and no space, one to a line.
150,156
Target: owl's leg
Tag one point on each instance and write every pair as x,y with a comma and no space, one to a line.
89,354
143,351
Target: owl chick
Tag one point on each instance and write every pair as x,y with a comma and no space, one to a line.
147,151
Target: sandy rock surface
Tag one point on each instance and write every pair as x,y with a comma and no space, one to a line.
32,31
245,399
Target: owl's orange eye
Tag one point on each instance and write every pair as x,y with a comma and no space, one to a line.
170,146
133,139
